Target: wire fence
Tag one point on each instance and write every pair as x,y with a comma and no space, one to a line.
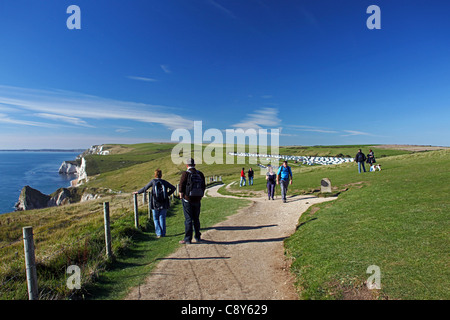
36,270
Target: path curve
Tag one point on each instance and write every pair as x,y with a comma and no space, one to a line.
242,258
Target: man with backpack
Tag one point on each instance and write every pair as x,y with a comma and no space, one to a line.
161,190
284,177
360,158
192,188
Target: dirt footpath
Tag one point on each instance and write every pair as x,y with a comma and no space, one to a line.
241,258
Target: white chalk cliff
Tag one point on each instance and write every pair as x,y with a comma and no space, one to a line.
69,167
82,175
94,150
76,168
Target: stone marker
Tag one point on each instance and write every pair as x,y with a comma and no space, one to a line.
325,185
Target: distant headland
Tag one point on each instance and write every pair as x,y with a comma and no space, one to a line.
42,150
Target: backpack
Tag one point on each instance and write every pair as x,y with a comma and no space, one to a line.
288,169
360,157
194,184
159,195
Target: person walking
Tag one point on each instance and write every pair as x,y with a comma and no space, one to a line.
271,178
284,177
243,181
250,177
161,190
192,189
360,158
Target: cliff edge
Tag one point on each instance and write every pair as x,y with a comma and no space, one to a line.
34,199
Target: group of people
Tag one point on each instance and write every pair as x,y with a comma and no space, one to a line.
192,187
283,177
360,158
250,177
191,190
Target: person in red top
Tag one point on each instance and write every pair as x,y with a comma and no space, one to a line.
243,181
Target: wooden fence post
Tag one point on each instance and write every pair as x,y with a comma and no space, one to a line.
149,206
107,229
144,198
136,212
30,263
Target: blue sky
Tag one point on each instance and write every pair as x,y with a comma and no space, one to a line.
137,70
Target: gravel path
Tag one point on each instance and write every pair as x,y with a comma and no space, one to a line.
241,258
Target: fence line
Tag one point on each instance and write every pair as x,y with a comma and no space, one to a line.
29,241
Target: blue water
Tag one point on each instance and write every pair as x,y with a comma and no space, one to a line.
38,170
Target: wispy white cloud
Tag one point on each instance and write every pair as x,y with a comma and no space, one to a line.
70,120
342,133
266,117
165,68
4,118
142,79
320,130
81,106
123,130
311,129
355,133
222,9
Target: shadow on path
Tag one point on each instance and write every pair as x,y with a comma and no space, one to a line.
237,228
243,241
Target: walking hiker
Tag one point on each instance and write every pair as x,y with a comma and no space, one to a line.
192,189
250,177
271,178
242,182
283,175
161,190
360,158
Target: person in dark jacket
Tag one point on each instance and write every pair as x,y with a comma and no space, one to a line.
360,158
271,178
159,208
371,157
192,189
250,176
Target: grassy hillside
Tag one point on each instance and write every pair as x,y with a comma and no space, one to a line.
396,219
73,234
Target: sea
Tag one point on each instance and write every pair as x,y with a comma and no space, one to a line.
37,169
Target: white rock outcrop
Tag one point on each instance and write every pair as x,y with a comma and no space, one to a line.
69,167
94,150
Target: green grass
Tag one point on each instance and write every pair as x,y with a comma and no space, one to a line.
140,258
397,219
125,156
74,235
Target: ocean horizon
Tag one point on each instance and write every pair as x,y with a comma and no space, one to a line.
35,168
